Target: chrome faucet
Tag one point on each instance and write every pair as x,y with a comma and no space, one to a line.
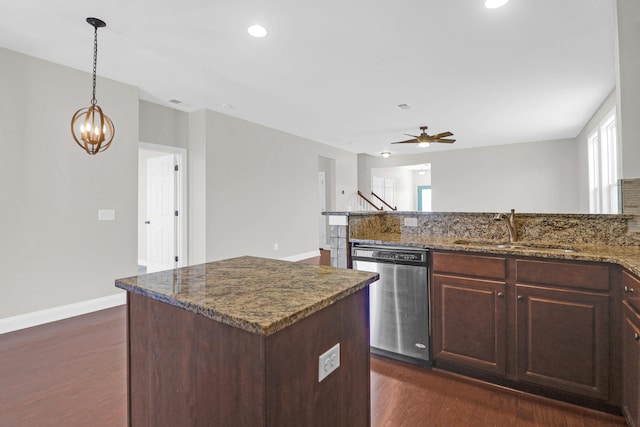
511,224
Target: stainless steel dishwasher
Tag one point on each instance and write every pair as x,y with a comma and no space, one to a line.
399,301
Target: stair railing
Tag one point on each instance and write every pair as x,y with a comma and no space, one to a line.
363,197
385,203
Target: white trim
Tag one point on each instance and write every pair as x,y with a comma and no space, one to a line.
300,257
22,321
142,262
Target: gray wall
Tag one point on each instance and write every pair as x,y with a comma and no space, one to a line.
250,186
532,177
54,251
628,83
257,187
163,126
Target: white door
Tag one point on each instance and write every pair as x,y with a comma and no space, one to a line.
322,202
161,218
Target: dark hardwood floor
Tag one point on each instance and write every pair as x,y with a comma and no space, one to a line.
73,373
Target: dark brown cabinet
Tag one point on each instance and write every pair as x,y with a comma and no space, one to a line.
631,350
543,325
469,323
563,340
562,318
471,327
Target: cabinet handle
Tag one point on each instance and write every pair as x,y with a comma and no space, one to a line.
628,290
500,294
636,336
520,297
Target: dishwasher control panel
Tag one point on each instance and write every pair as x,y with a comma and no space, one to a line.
390,254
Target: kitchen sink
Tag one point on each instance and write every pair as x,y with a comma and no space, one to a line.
517,245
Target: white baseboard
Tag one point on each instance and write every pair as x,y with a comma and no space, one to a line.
300,257
22,321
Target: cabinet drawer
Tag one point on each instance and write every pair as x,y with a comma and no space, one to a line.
470,265
574,275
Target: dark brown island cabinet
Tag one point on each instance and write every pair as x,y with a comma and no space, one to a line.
631,346
247,342
542,326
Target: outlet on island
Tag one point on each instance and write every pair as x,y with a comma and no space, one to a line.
328,362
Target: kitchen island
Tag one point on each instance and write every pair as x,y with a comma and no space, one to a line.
239,342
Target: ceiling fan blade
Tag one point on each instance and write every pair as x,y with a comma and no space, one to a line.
415,136
450,141
407,141
442,135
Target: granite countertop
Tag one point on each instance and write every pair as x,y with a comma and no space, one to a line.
258,295
626,256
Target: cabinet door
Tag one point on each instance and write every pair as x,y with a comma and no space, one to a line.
631,367
563,340
469,322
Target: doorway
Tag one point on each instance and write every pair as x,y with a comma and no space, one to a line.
326,198
162,208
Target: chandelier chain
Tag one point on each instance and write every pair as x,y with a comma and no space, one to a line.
95,61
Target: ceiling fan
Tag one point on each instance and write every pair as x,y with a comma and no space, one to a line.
424,139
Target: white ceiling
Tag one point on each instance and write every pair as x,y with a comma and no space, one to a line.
334,70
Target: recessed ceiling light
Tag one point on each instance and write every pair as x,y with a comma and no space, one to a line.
385,154
175,101
493,4
403,106
257,31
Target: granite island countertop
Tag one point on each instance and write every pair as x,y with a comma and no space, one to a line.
626,256
258,295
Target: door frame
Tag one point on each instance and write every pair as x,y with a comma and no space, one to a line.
181,230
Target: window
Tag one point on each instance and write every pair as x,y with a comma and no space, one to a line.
603,167
424,198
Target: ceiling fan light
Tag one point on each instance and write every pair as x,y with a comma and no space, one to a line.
494,4
423,144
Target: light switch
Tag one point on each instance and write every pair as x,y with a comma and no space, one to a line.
106,214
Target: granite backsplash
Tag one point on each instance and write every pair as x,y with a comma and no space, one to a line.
550,228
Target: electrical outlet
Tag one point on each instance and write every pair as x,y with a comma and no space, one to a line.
275,247
411,222
328,362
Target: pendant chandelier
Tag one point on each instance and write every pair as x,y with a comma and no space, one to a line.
91,128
